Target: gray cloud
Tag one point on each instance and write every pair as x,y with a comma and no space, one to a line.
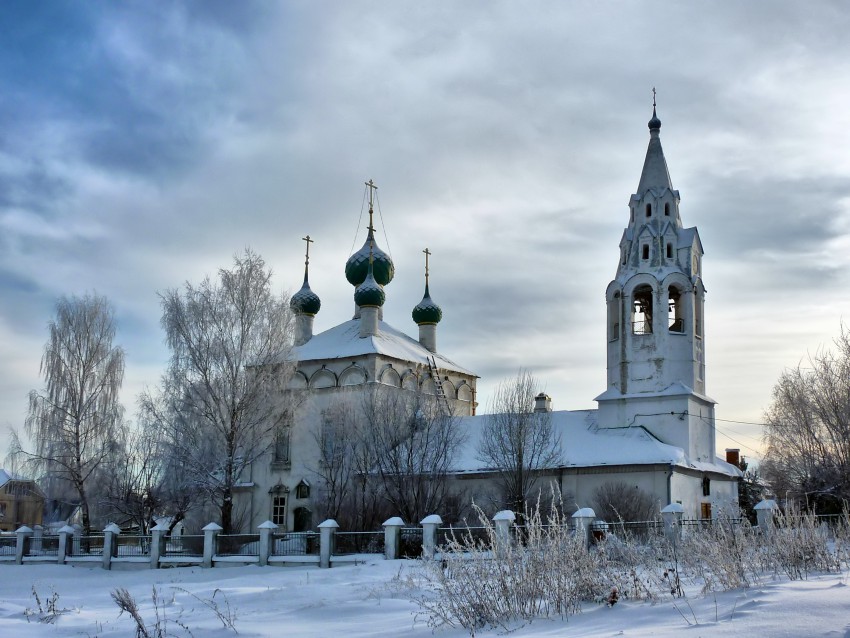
142,145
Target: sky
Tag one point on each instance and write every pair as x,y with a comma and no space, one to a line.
143,145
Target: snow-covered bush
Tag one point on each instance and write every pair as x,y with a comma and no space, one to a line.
545,570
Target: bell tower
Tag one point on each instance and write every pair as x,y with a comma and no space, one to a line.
655,319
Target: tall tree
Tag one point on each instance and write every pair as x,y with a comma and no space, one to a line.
517,442
75,420
807,430
222,398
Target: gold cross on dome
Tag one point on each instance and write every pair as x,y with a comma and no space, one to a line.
427,254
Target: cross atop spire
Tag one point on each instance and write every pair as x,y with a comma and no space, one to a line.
427,255
372,188
653,98
307,255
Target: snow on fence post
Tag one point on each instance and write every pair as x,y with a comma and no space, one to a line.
66,532
429,535
672,517
23,541
583,519
326,542
210,530
392,532
765,511
110,544
502,521
266,530
158,533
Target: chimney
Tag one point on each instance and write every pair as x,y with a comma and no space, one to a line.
733,456
542,403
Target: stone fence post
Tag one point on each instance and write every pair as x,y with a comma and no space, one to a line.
672,517
502,521
110,544
37,541
765,511
66,548
24,533
158,533
326,542
392,533
430,524
210,533
266,531
583,519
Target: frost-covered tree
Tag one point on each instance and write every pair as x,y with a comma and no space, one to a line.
516,441
223,397
807,431
76,419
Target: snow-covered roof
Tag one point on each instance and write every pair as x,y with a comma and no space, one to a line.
344,341
6,476
584,444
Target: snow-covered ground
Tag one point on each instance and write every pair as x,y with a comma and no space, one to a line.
374,599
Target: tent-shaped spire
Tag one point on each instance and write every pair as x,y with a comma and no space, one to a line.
655,174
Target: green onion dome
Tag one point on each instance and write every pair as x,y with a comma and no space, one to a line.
426,311
369,292
305,301
357,266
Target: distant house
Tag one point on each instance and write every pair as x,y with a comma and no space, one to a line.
21,502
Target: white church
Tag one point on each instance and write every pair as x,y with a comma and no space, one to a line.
654,426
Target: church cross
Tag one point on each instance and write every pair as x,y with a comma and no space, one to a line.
372,188
653,97
307,256
427,254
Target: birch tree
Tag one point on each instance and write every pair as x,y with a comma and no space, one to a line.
223,396
807,431
75,420
517,442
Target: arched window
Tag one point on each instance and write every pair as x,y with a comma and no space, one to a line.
667,210
669,251
675,318
645,251
649,210
642,311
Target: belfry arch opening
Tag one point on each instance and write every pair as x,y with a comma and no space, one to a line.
675,316
642,311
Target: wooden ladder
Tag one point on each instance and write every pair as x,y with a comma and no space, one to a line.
442,399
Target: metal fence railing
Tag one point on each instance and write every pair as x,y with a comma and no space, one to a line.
43,546
295,544
410,542
358,543
8,544
185,545
85,545
127,546
479,535
238,545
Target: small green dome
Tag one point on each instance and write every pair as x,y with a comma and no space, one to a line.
357,266
426,311
305,301
370,292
